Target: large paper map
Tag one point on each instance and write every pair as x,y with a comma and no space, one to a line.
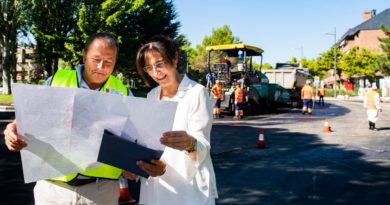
64,126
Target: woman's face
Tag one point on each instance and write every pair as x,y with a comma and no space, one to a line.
160,70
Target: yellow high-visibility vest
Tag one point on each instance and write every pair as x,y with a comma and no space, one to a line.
68,78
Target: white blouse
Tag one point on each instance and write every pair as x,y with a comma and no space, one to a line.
185,182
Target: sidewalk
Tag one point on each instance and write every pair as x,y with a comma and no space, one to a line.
7,108
354,98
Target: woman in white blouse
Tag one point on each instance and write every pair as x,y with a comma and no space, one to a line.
188,177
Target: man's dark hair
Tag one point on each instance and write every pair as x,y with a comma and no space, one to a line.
108,38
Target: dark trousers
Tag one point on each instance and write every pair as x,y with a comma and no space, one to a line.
321,100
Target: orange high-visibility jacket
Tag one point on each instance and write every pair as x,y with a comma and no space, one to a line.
217,91
321,91
238,95
307,92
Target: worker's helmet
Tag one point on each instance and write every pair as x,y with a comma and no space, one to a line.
308,82
374,87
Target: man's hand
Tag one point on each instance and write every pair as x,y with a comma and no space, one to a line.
12,140
129,175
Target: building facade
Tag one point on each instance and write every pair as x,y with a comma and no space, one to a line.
366,34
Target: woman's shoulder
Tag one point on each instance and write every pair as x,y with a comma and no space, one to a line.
195,87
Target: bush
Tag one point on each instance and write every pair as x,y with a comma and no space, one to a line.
6,99
329,92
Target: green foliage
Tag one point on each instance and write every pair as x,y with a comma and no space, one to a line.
313,67
266,66
219,36
384,60
326,62
358,63
329,92
346,92
51,23
355,62
293,60
133,22
6,99
12,23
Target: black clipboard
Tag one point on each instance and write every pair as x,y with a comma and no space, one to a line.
119,152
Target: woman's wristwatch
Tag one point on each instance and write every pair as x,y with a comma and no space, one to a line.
192,146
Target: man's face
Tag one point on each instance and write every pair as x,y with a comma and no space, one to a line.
99,62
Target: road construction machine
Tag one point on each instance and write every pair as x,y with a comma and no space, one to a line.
237,67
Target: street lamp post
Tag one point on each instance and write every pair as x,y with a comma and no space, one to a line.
335,61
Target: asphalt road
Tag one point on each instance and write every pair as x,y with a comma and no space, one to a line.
13,190
301,164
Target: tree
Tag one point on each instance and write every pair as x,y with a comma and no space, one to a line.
266,66
11,23
325,62
313,67
358,62
384,60
52,22
133,22
293,60
219,36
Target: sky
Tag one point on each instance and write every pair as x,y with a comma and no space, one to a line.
282,28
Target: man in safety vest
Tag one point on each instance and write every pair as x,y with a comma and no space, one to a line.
307,98
239,101
217,93
98,185
372,104
321,94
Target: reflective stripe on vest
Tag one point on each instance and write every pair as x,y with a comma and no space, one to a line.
239,95
68,78
217,91
371,100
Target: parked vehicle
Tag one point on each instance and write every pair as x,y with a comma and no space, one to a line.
290,77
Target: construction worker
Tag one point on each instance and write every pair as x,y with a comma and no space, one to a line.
372,104
307,98
321,94
238,101
217,93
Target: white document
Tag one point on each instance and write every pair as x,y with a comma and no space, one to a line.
64,126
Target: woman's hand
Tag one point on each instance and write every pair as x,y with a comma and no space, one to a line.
11,138
155,168
177,140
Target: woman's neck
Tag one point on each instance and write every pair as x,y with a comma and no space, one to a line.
170,92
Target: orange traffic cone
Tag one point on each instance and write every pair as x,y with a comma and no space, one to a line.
124,192
327,126
261,141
